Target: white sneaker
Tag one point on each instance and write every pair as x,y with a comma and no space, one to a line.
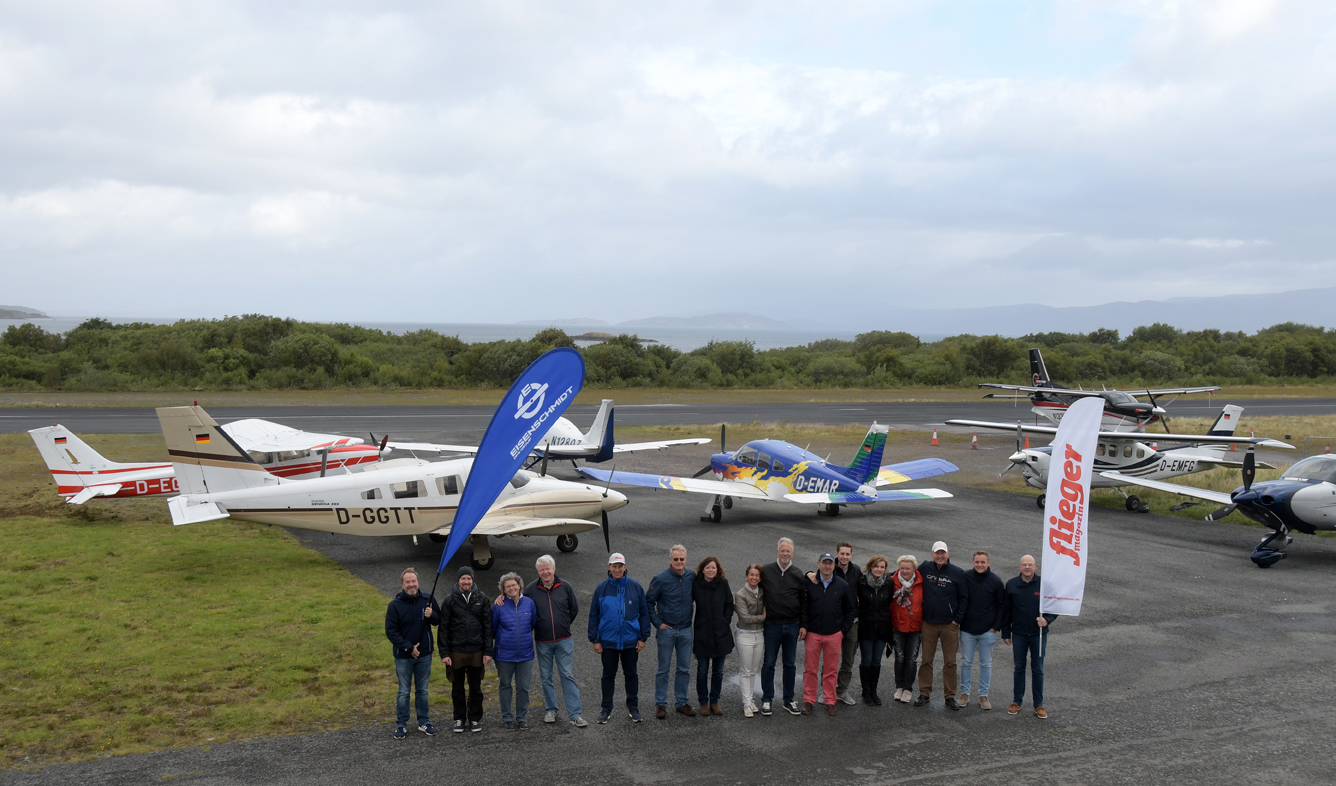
747,711
549,717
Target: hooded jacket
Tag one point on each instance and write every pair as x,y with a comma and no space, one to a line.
1020,607
874,607
669,598
829,607
711,635
618,614
405,625
466,622
907,620
946,598
985,609
785,594
557,609
512,630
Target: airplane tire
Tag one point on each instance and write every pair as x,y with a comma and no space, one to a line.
436,537
1133,502
567,543
716,514
728,503
832,510
1039,500
484,564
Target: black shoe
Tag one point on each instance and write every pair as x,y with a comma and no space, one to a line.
875,673
427,729
792,707
920,700
459,727
475,727
510,725
952,704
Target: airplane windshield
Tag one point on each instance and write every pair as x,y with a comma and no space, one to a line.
747,457
519,481
1120,398
1315,468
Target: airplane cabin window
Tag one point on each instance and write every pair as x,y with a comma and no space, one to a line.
747,458
409,490
448,486
1099,449
762,461
293,455
778,466
1127,451
1141,452
519,481
371,494
260,457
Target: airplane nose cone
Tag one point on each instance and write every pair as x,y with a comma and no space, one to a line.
1158,410
614,500
1017,458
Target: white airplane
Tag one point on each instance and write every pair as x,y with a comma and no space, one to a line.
81,473
219,480
1120,455
566,442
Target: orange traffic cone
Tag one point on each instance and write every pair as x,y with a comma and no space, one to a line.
1328,450
1252,433
974,441
1027,441
1232,446
934,436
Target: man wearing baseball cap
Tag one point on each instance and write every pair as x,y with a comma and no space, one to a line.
830,615
945,599
618,628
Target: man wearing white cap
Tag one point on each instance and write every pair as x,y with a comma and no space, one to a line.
618,629
945,599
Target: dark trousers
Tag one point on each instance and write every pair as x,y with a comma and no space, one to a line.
870,652
469,709
906,652
1021,647
628,658
708,686
779,638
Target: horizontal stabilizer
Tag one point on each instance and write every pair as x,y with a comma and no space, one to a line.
184,512
88,492
914,470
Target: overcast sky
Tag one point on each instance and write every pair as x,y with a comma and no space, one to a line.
505,160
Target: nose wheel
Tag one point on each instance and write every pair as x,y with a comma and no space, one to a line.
1265,555
1040,500
567,543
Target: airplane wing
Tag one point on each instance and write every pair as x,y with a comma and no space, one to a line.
695,485
88,492
1136,436
1172,391
630,447
853,497
497,524
266,437
1172,488
431,447
1028,389
1216,459
913,470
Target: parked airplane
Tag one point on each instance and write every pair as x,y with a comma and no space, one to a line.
566,442
769,469
1304,499
1122,410
218,479
81,473
1133,454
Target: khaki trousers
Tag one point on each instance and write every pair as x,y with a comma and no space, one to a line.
949,635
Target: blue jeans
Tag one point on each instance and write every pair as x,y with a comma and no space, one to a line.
673,640
984,643
410,671
870,652
779,636
561,652
709,685
1021,646
521,673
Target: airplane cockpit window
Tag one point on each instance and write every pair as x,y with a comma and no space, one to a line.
448,486
762,460
747,458
293,455
519,481
1120,398
777,466
1315,468
260,457
371,494
1141,452
1127,451
409,489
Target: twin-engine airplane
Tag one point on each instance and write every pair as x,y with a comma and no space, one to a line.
1120,455
769,469
565,442
1304,499
218,479
81,473
1122,410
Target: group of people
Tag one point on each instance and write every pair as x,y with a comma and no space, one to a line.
841,613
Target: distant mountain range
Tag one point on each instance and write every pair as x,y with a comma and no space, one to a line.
730,321
21,312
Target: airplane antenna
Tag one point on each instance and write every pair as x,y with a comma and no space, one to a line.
826,460
805,449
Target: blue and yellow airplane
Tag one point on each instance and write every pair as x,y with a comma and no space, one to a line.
771,469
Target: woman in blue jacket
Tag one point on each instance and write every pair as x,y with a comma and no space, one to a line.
513,622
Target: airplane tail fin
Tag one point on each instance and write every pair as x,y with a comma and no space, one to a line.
867,461
1038,372
206,460
600,434
1226,422
69,458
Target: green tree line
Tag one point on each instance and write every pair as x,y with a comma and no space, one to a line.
260,352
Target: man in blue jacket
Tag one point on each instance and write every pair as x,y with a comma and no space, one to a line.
670,612
618,628
945,601
408,621
1022,630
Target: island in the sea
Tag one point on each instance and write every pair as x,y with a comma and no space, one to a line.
21,312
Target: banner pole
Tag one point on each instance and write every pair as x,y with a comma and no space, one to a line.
1043,642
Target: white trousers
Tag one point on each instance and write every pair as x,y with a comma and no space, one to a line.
751,651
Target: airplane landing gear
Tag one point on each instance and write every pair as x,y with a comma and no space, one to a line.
482,553
829,509
728,503
1135,505
436,537
1039,500
714,511
1264,556
567,543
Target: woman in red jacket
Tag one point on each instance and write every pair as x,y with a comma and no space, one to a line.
906,624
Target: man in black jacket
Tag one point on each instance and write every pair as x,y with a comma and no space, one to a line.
978,633
785,595
1022,629
466,646
408,622
830,615
945,602
557,610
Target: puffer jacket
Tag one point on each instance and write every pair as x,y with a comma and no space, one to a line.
513,624
711,635
618,614
750,608
466,623
907,620
874,608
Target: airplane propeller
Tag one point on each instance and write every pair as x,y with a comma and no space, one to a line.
607,539
380,455
1249,473
1164,419
723,448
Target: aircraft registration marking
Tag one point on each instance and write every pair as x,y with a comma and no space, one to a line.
373,515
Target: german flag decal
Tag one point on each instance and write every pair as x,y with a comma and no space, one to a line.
60,440
201,439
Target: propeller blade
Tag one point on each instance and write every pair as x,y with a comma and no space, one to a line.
723,437
384,442
707,468
1221,513
1249,468
1019,435
607,540
543,471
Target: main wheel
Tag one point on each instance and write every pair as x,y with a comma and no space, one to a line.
1133,502
728,503
716,514
832,510
483,564
436,537
1039,500
567,543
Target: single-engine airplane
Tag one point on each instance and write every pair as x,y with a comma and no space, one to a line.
770,469
218,480
81,473
1122,454
565,442
1122,410
1304,499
